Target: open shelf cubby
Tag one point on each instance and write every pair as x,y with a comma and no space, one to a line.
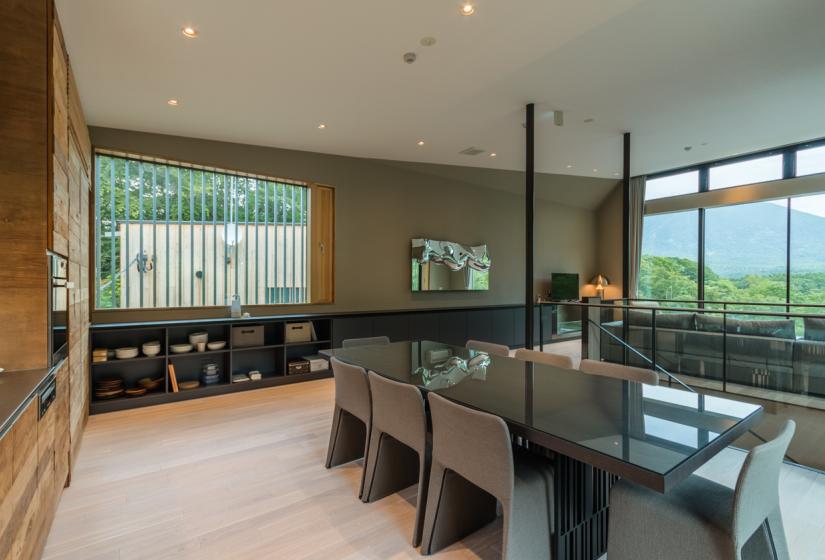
270,358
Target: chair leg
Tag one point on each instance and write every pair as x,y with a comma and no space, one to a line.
390,467
776,534
455,508
346,439
421,501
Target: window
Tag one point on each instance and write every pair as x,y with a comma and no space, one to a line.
171,235
746,252
754,170
811,160
807,240
672,185
670,249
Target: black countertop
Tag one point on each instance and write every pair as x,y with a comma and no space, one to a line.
17,389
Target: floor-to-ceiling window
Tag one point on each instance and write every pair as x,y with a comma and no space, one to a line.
754,243
669,267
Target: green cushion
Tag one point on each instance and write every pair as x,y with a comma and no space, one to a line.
814,329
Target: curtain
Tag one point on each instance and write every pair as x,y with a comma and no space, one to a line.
636,214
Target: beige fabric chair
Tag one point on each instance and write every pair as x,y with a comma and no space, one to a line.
629,373
369,341
546,358
489,347
473,466
399,455
702,520
352,417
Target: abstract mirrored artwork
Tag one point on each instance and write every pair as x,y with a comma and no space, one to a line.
449,266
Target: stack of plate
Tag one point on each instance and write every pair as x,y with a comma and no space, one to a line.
109,388
100,355
136,392
210,374
186,385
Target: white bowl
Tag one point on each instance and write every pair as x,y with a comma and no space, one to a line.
151,349
180,348
126,353
217,345
197,337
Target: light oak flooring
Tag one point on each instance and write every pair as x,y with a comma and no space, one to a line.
241,476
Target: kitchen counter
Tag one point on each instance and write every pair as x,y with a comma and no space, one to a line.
17,389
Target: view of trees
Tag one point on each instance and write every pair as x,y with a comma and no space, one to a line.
676,278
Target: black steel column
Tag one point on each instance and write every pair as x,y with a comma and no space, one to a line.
529,210
626,215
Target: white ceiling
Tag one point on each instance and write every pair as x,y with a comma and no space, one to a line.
740,75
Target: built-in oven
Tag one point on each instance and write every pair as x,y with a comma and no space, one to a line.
59,307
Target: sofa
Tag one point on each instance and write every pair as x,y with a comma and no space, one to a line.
760,353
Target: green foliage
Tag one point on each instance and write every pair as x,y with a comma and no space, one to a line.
676,278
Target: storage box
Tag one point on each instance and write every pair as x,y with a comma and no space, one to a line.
317,362
297,366
245,336
299,332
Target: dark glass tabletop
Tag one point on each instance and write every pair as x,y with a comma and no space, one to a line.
655,436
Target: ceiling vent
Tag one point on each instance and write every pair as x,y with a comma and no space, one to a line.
471,151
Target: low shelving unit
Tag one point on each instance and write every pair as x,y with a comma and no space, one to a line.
270,359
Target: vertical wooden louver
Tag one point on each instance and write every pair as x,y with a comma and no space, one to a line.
322,244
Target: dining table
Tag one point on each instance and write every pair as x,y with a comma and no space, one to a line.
593,429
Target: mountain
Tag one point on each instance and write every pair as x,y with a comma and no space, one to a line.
741,240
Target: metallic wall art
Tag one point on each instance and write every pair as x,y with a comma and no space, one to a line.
449,266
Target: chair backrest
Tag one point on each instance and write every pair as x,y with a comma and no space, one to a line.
369,341
547,358
474,444
757,489
630,373
352,389
489,347
398,410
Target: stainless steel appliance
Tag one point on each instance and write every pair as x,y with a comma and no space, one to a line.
59,307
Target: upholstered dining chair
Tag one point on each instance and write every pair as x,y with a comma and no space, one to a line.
351,418
547,358
489,347
399,455
619,371
473,467
703,520
368,341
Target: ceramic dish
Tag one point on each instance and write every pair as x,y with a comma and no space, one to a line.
126,353
180,348
150,384
217,345
186,385
197,337
151,348
136,392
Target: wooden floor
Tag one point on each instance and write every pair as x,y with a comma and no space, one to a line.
241,476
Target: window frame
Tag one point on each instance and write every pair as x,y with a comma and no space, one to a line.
314,296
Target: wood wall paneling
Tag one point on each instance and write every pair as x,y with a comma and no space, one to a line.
322,244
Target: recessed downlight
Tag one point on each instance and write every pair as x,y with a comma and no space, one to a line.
189,32
467,9
173,102
493,154
420,142
569,167
322,126
595,170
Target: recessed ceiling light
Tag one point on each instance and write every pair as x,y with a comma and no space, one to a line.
467,9
427,41
322,126
172,102
420,142
589,120
492,154
616,174
569,167
595,171
189,32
